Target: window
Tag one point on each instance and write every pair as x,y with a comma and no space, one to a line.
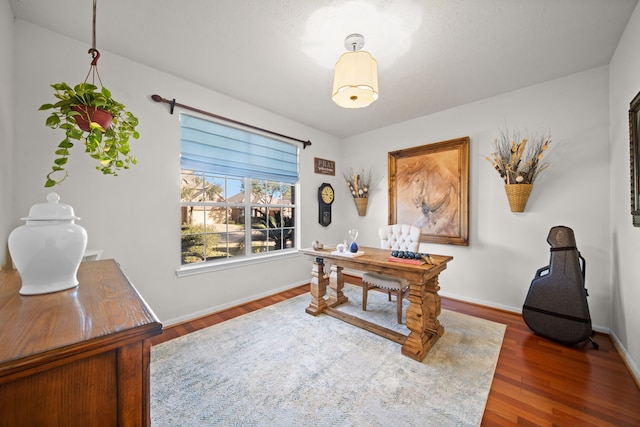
237,193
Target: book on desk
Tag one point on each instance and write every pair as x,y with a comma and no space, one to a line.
348,254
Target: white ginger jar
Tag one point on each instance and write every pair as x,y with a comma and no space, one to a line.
47,251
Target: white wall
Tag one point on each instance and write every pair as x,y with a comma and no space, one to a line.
505,249
6,125
135,217
624,84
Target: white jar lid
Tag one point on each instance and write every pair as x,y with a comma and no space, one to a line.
51,211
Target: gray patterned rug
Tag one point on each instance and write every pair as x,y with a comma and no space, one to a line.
282,367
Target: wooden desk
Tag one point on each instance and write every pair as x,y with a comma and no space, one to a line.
78,357
424,301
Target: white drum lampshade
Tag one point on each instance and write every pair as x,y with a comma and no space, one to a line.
355,81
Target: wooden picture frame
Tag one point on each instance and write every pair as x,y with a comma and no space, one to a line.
429,188
634,153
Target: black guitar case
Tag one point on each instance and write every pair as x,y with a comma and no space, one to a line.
556,305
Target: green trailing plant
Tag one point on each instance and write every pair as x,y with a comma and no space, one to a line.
109,146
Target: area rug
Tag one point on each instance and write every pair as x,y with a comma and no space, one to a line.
279,366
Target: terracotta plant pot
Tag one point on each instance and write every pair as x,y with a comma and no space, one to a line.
91,114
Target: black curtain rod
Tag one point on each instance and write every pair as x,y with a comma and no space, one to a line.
174,104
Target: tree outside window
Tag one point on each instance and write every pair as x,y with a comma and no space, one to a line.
213,221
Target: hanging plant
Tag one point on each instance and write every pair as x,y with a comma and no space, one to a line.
91,115
88,114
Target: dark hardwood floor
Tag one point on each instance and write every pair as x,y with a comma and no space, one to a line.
537,382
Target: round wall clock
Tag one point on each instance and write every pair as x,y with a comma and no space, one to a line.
326,197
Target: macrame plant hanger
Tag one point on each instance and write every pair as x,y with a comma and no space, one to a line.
95,54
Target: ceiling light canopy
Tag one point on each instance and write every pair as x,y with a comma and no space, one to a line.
355,82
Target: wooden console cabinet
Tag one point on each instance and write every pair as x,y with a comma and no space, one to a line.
78,357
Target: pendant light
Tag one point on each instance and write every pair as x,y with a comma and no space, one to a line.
355,82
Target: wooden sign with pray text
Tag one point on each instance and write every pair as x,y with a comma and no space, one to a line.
325,167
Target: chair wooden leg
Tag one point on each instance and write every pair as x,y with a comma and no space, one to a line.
365,291
389,294
399,302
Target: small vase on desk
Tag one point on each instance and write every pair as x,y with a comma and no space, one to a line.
47,251
353,247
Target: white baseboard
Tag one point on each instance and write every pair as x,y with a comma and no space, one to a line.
215,309
626,357
517,310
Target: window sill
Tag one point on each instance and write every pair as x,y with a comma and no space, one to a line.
207,267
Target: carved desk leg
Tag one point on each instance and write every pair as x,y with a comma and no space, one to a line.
336,283
318,288
422,319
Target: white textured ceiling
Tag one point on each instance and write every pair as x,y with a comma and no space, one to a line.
279,54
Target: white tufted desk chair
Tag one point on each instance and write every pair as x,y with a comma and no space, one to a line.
401,237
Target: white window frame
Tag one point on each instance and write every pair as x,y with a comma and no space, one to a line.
217,264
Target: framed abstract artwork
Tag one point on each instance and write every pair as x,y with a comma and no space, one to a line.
429,188
634,146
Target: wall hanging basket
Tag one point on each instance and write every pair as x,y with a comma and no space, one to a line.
361,204
518,194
